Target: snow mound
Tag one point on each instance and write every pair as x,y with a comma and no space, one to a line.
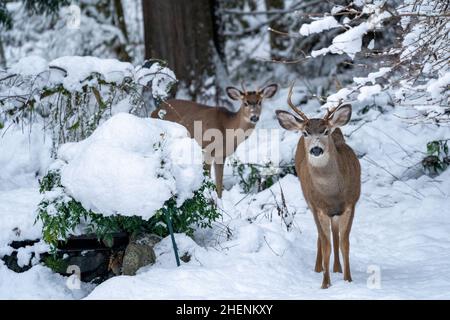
38,283
24,152
29,66
132,166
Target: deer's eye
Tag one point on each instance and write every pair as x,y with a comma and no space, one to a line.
305,133
326,132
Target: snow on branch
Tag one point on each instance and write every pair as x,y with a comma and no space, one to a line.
75,94
415,70
319,25
350,42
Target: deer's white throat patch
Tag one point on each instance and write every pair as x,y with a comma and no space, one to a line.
319,161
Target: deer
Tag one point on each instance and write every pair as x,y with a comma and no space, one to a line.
218,130
330,179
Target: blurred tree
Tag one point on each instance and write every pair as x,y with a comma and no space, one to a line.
34,7
5,16
277,44
183,33
107,29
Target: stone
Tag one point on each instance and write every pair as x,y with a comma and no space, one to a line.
147,239
139,253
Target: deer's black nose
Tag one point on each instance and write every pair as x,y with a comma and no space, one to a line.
254,119
316,151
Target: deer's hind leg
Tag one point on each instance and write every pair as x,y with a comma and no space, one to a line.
335,230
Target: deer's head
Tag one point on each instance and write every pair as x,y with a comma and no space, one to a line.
316,131
251,100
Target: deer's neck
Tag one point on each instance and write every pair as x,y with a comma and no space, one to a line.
324,171
235,121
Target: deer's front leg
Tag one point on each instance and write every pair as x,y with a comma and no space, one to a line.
325,242
335,231
218,168
345,225
319,262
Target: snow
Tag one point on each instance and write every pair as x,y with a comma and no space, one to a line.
29,66
400,244
318,26
77,69
399,235
436,87
24,152
74,72
122,169
368,91
17,214
160,77
37,283
350,41
399,241
336,98
372,77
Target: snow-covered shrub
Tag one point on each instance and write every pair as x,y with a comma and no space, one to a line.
255,177
415,71
126,176
73,95
438,157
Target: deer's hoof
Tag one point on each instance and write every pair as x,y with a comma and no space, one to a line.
325,285
337,268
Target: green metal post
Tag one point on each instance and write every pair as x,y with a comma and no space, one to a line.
174,244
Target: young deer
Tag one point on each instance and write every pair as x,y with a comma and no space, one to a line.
330,177
218,130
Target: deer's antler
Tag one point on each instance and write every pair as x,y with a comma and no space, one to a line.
293,107
331,111
243,87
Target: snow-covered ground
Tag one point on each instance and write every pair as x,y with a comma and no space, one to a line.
400,240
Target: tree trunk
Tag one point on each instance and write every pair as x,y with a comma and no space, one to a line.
2,55
119,21
277,42
182,33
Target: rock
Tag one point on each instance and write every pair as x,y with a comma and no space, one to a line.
92,263
139,253
115,262
11,263
95,260
186,257
147,239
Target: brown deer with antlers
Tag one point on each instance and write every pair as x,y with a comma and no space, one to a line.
218,130
330,177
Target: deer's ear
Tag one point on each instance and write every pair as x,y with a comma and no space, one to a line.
289,122
234,93
341,116
269,91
